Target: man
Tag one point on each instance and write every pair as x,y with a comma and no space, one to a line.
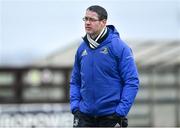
104,79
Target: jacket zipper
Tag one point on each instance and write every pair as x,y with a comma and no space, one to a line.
93,81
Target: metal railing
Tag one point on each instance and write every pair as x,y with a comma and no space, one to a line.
23,83
159,89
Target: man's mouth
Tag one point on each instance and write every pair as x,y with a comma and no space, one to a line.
88,28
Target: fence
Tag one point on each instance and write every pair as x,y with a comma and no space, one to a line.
34,85
157,103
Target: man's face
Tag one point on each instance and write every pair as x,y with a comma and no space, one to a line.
93,25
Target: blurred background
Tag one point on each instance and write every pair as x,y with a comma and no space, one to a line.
38,40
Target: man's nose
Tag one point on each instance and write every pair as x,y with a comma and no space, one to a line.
87,22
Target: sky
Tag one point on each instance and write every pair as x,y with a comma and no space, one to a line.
33,29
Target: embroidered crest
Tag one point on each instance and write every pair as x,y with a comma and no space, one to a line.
104,50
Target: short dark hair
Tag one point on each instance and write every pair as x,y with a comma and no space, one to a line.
102,13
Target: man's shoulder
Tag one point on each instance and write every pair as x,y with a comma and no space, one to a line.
82,46
118,46
118,42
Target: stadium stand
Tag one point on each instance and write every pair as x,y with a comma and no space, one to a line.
157,103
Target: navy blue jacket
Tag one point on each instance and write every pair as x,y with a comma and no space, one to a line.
104,80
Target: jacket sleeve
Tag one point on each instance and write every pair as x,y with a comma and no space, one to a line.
129,74
75,83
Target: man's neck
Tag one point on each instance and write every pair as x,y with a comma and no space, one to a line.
94,43
93,36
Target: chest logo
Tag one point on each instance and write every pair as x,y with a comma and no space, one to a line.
104,50
84,53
